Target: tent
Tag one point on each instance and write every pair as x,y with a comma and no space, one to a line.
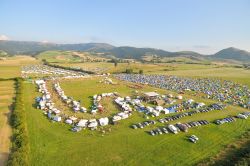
103,121
69,121
92,123
82,123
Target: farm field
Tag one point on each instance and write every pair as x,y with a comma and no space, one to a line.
11,66
54,143
6,99
148,68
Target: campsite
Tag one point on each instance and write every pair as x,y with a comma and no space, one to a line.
212,136
124,83
87,110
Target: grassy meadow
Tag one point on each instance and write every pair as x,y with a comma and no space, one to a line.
54,143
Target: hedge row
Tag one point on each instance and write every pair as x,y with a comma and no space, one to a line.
67,68
20,145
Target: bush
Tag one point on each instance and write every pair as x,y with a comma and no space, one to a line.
129,71
67,68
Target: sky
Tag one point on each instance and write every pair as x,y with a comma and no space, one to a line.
205,26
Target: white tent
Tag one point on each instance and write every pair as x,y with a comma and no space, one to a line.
165,111
159,108
82,123
69,121
116,118
92,123
38,82
103,121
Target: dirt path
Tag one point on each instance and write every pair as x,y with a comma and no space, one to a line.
5,129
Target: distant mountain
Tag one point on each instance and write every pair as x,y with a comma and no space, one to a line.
34,48
232,53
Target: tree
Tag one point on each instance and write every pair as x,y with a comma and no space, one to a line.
129,71
141,71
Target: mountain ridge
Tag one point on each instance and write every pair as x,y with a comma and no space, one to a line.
123,52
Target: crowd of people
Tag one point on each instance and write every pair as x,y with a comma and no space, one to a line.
220,90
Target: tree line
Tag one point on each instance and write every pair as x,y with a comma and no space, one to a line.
19,155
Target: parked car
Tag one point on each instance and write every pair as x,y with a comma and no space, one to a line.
193,138
165,130
134,126
152,133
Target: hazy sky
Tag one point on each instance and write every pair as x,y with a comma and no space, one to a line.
199,25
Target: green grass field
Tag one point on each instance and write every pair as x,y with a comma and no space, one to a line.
53,143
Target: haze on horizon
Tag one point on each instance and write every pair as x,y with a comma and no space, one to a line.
202,26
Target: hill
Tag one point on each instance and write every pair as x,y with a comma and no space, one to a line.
69,56
34,48
232,53
124,52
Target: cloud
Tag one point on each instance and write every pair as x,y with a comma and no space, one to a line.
3,37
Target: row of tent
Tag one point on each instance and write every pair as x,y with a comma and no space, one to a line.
45,102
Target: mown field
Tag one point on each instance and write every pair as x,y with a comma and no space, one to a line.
54,143
6,99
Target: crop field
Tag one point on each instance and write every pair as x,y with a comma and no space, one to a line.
54,143
6,99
